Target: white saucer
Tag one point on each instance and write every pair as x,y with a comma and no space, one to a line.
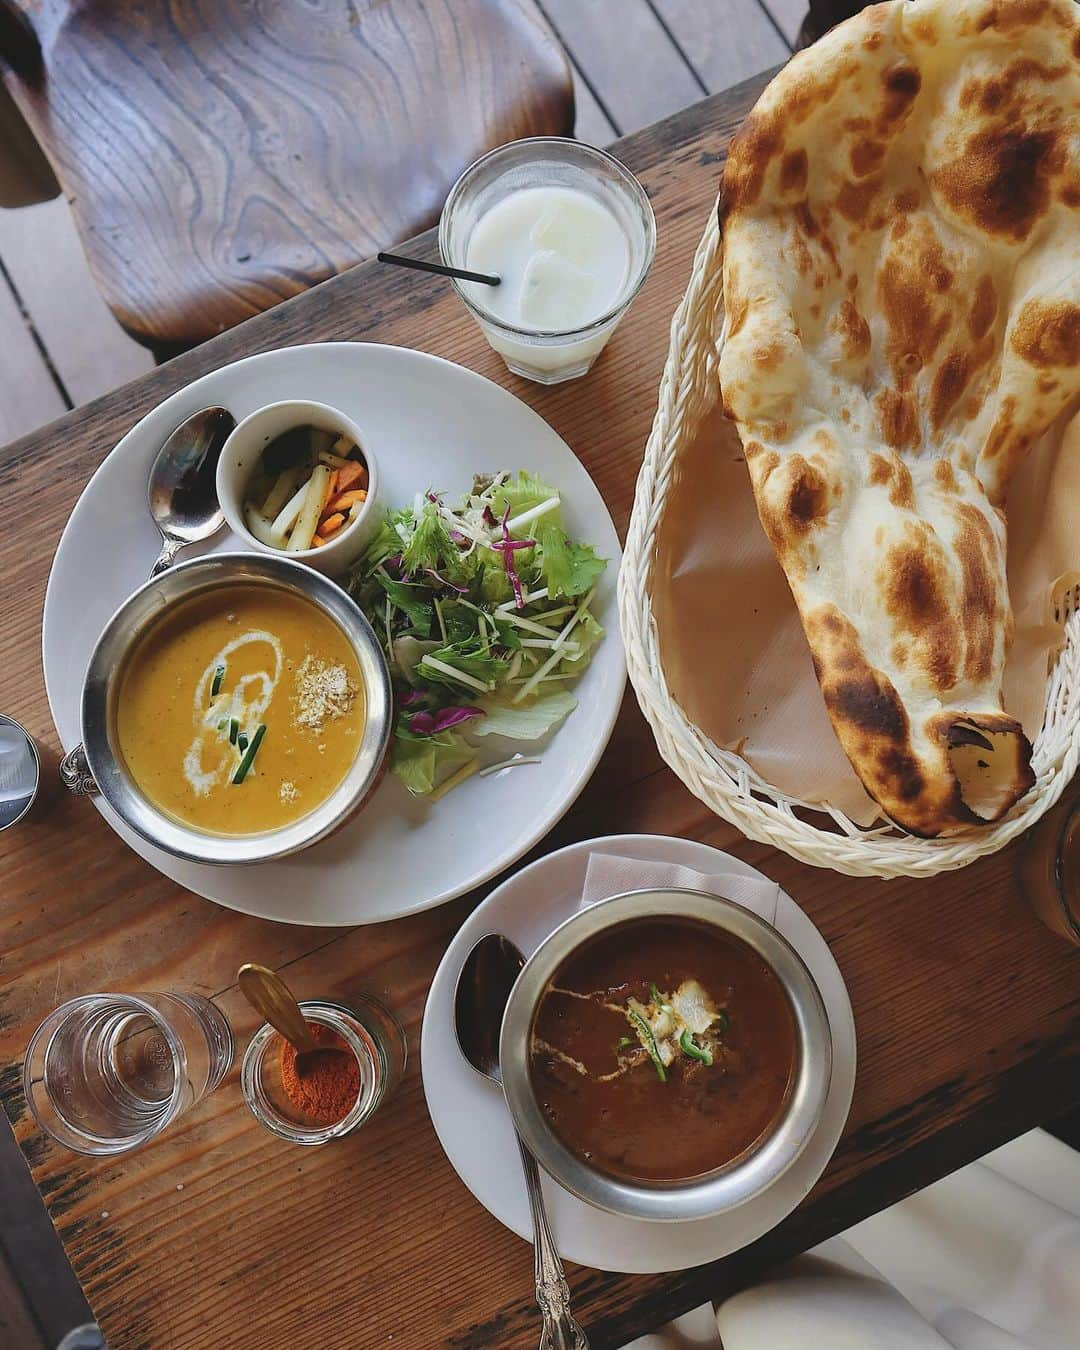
472,1122
430,423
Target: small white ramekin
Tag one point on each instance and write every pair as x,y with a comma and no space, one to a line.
240,457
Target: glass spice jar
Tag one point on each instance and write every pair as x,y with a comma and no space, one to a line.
369,1030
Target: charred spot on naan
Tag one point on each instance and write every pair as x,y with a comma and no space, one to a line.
913,581
1001,179
981,616
852,329
793,171
1047,334
983,308
950,381
898,419
917,316
891,472
794,498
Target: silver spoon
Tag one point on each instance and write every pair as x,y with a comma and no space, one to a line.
182,491
483,987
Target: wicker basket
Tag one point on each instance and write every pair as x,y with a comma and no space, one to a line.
722,779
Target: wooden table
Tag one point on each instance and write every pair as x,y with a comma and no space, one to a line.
966,1007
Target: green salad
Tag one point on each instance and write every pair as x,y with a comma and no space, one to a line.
484,611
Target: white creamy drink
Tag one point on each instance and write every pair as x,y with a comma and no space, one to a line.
570,233
562,256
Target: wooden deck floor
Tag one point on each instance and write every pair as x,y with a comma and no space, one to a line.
634,61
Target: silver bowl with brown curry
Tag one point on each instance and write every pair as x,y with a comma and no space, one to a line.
666,1055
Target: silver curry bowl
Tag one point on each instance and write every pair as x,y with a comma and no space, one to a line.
747,1175
96,766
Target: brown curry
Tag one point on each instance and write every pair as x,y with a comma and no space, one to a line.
662,1050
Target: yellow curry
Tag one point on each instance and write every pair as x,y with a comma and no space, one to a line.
241,710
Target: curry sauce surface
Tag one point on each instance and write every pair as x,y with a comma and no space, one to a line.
704,1116
167,717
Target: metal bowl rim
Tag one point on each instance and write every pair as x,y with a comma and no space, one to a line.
146,606
746,1176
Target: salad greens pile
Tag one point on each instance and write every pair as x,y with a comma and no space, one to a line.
483,610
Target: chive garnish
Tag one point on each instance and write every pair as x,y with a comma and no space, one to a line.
219,675
234,729
648,1040
223,724
694,1051
241,742
249,754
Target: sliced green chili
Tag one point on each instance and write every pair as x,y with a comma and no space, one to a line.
624,1042
234,730
249,754
694,1051
219,675
654,993
648,1040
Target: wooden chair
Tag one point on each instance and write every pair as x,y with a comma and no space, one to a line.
222,155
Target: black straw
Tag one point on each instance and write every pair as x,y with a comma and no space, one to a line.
439,269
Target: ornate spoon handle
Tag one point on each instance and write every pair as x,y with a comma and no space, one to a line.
169,549
560,1331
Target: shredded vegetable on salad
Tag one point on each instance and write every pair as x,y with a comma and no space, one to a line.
484,612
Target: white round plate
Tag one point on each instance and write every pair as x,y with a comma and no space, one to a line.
472,1121
431,424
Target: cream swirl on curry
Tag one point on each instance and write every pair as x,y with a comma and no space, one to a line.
241,710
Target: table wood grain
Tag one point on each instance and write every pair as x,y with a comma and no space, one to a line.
966,1007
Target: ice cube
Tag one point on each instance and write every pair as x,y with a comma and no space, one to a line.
554,292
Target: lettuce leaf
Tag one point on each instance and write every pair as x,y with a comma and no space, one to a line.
566,569
586,634
423,762
469,657
430,544
522,493
413,601
523,721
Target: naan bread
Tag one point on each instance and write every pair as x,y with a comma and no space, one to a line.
902,293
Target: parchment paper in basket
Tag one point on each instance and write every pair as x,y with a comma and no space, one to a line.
732,646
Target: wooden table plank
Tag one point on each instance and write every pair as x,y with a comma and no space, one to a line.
29,396
632,63
724,43
966,1008
41,251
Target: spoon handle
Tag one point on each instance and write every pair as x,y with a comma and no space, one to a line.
560,1331
169,549
269,995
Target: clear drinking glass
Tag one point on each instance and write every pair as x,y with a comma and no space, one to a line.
547,356
107,1072
1050,868
375,1037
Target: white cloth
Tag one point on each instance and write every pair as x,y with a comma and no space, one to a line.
986,1259
607,874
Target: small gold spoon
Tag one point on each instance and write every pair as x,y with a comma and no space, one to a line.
269,995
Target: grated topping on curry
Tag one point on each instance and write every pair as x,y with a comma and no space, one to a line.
324,692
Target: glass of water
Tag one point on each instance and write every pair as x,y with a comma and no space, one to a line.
107,1072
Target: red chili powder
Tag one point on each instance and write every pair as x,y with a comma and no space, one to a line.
330,1083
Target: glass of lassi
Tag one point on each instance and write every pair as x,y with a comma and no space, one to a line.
570,234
